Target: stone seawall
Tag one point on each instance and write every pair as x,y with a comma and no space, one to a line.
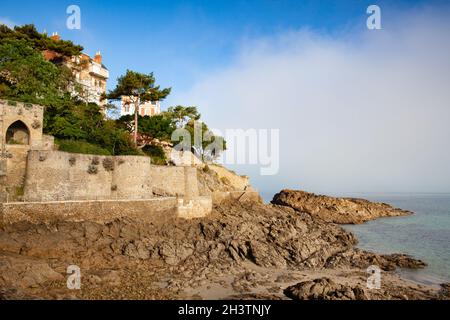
62,176
236,196
157,210
101,211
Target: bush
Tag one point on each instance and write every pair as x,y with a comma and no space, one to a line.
156,153
108,164
79,146
92,169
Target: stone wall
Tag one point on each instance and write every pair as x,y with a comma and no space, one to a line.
62,176
48,142
198,207
30,114
100,211
40,184
15,164
14,154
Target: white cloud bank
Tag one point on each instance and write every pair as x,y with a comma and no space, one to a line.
367,112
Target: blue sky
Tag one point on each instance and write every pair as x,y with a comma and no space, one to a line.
357,110
182,40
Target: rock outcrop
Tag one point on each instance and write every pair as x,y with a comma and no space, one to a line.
325,289
215,178
242,250
363,259
336,210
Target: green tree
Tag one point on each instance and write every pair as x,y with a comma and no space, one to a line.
155,127
27,76
138,88
182,114
39,41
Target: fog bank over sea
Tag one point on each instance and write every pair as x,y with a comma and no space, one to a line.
356,109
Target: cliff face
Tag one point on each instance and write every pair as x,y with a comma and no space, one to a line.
336,210
215,178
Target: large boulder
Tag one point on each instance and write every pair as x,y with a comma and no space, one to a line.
325,289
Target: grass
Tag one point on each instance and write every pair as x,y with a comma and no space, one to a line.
12,141
79,146
19,191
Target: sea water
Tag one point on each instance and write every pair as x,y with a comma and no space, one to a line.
424,235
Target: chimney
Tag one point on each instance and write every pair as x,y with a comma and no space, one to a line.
98,57
55,36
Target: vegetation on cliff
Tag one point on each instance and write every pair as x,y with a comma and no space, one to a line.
39,41
25,75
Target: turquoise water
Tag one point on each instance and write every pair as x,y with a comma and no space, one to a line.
424,235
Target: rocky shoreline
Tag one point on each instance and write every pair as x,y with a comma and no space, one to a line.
244,250
336,210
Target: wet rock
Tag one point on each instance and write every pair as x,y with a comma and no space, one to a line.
24,272
324,289
265,255
173,253
137,250
445,291
363,259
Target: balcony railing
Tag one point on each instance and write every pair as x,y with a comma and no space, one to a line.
99,71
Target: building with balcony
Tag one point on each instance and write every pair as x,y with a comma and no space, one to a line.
91,76
90,73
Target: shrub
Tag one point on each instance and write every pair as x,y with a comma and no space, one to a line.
92,169
156,153
19,191
95,161
80,146
108,164
12,141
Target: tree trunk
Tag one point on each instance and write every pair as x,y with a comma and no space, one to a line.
136,110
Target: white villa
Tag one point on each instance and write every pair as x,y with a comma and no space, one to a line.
90,73
146,109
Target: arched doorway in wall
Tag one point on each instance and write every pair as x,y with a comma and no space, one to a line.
18,133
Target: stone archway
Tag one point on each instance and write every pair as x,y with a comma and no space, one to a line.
18,133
